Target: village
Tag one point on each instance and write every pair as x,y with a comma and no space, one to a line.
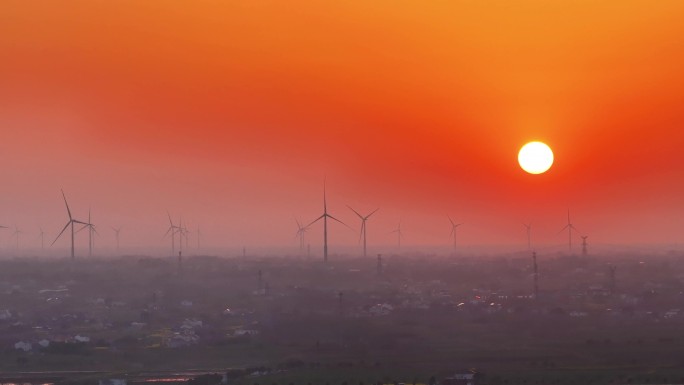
130,314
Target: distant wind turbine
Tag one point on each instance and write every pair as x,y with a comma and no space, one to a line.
362,234
42,237
399,234
454,225
172,230
569,227
528,227
71,223
91,234
325,217
182,234
117,233
301,233
16,234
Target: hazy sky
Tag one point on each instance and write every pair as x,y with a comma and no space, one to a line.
231,113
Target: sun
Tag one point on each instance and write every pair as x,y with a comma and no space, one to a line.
535,157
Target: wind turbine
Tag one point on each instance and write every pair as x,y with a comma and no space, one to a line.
584,245
570,227
325,217
363,226
91,234
71,223
117,231
16,234
42,238
172,229
399,233
301,232
454,225
528,227
183,233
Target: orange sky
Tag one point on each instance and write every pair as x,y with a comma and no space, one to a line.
232,113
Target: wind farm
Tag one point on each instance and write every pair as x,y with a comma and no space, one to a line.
257,193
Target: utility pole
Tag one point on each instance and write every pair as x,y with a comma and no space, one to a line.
536,275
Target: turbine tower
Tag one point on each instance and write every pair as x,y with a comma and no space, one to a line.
399,233
70,223
454,225
569,227
42,237
301,232
528,228
198,237
172,229
362,234
182,234
584,245
325,217
16,234
91,234
117,231
536,275
611,272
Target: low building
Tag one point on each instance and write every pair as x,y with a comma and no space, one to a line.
465,377
25,346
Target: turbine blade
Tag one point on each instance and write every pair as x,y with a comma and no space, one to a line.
316,220
355,212
331,217
452,222
374,211
60,233
67,204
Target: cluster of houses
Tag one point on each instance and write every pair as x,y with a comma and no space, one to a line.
27,346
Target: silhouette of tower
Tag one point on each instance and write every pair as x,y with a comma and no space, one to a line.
260,280
536,275
180,262
611,274
584,245
570,227
528,227
378,269
340,302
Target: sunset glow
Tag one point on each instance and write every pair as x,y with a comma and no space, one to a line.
233,113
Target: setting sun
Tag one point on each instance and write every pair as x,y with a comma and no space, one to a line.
535,157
